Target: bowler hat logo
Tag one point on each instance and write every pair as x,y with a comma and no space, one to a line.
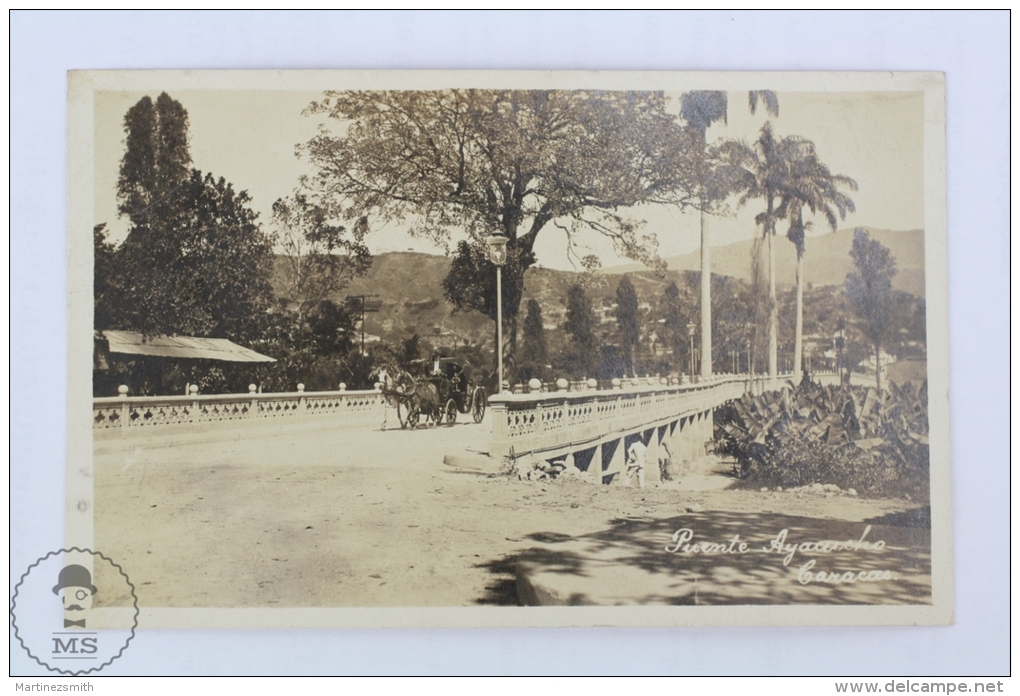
74,611
74,585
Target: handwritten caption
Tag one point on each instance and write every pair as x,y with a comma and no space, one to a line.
781,545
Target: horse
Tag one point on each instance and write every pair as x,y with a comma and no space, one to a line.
424,400
394,383
402,391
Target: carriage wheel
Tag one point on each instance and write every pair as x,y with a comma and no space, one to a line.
478,405
451,412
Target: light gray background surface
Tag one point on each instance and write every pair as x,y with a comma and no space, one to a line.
973,50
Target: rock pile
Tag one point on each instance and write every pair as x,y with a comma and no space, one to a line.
532,469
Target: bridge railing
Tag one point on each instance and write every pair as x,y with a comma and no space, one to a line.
152,415
549,424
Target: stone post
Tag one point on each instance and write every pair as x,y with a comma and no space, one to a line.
125,409
499,426
195,412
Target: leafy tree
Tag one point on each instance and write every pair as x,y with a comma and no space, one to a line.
410,350
105,276
583,349
195,260
535,352
320,256
627,318
157,158
203,269
674,325
869,290
511,161
471,284
732,321
331,329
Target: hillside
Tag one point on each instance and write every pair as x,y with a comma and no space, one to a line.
409,290
409,287
826,261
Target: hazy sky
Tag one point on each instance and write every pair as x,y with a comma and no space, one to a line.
249,138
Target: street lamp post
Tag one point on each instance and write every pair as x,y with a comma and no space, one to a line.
497,254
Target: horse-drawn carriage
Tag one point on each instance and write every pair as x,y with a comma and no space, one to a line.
442,388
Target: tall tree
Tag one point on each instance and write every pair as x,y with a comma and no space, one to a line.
535,351
320,256
869,290
331,329
699,109
814,187
195,260
105,278
583,350
477,162
627,318
157,159
203,269
767,170
674,324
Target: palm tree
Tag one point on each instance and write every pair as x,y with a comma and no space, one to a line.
771,169
788,176
762,170
814,187
700,109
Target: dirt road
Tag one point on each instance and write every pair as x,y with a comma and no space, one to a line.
368,518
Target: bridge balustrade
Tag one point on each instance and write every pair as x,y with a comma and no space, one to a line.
552,423
597,426
124,416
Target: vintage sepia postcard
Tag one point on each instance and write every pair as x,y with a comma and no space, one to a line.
367,349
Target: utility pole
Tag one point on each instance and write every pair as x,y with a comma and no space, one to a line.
358,304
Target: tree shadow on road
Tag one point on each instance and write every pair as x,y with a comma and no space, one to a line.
886,560
502,588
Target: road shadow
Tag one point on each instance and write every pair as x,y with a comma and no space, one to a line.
784,560
918,518
501,590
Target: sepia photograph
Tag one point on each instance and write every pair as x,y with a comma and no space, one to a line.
510,342
640,345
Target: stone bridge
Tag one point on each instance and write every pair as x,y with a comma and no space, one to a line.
589,427
593,429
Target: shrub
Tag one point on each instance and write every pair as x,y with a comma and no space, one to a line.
853,437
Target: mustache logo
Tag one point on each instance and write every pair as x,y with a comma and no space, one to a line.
74,607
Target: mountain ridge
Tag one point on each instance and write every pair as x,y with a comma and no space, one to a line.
826,259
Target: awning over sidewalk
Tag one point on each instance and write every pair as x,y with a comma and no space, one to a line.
133,343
